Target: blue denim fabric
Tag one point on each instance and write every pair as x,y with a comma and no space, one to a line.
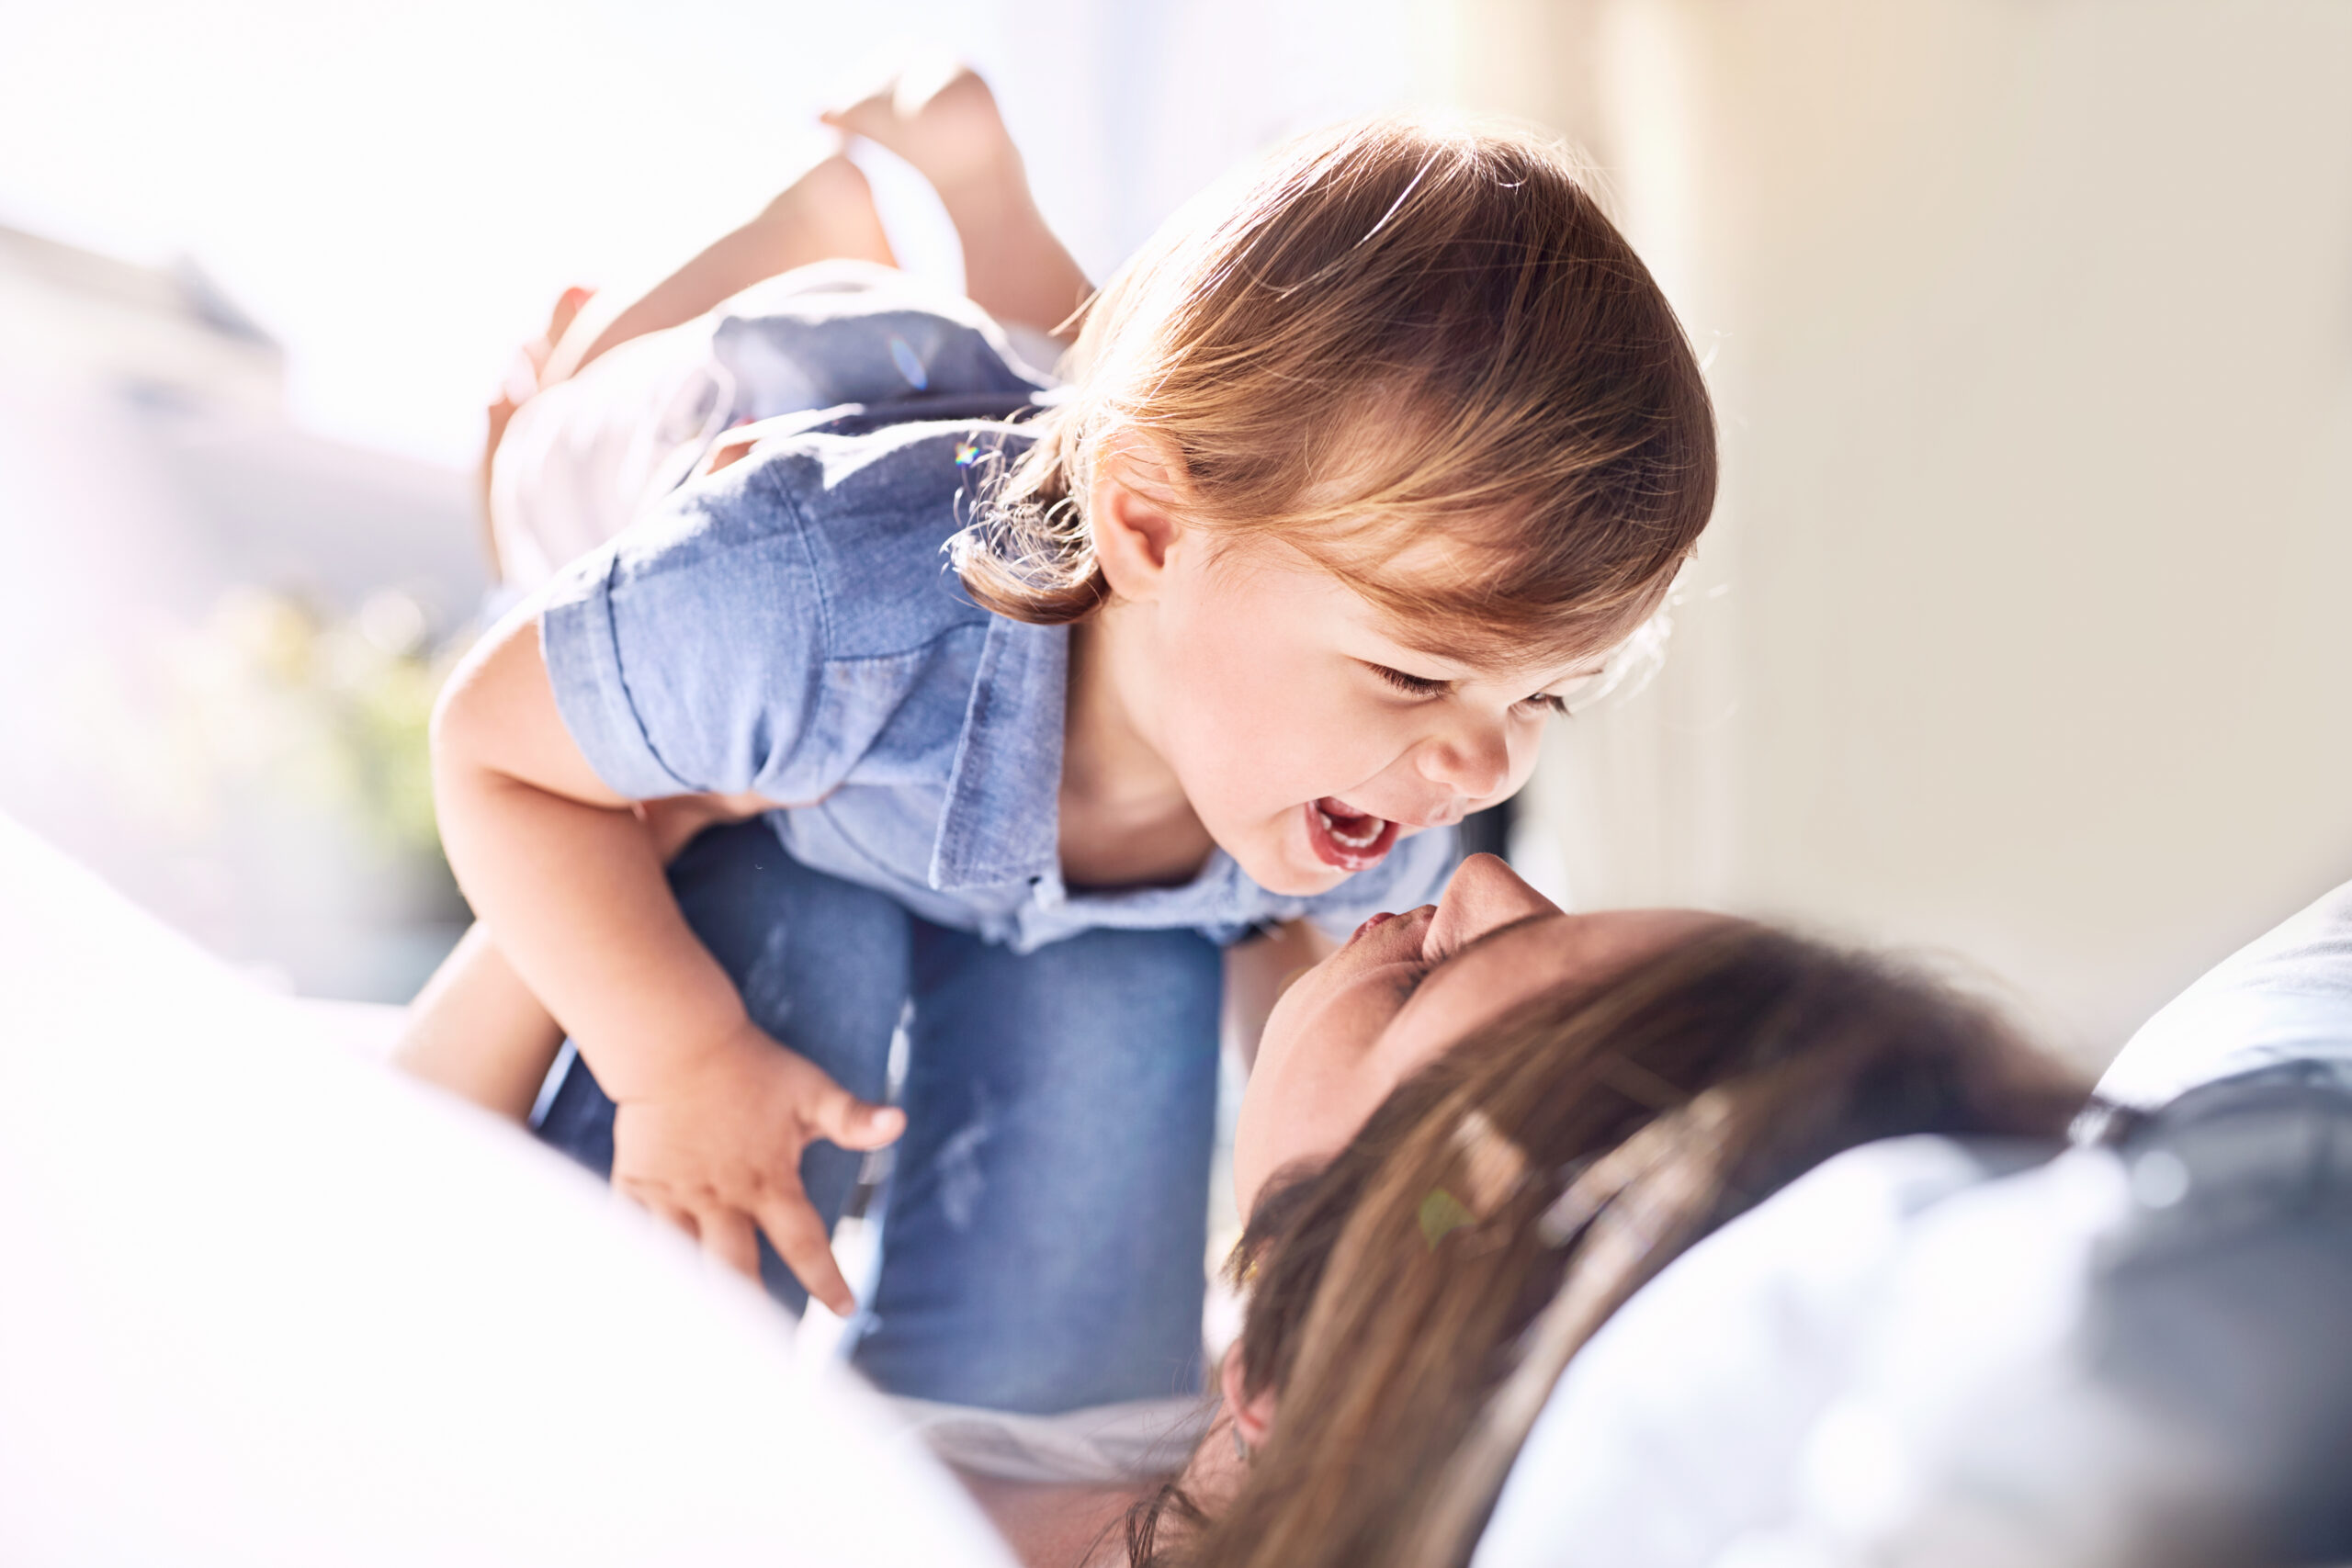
790,625
1045,1225
843,332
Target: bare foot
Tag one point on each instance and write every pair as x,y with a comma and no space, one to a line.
940,117
528,374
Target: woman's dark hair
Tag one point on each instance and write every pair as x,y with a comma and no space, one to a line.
1412,1303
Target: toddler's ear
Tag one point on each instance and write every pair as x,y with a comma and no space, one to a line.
1132,515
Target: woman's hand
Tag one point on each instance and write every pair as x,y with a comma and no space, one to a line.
714,1147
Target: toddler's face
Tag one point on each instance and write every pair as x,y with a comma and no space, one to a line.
1307,738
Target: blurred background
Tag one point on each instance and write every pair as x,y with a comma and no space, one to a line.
2021,634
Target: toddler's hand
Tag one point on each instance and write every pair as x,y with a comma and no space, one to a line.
716,1151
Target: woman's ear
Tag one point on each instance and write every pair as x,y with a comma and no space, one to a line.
1252,1419
1131,513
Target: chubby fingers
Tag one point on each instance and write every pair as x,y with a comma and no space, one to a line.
840,1117
728,1238
800,1237
658,1204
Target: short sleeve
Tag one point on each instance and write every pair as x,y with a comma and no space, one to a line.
688,655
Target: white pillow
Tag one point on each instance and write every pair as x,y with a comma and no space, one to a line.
2286,996
1682,1425
1884,1362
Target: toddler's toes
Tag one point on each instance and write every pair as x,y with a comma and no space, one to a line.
539,350
567,311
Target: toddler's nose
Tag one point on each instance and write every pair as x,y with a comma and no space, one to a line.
1445,812
1471,767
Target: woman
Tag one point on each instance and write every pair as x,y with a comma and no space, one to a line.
1471,1134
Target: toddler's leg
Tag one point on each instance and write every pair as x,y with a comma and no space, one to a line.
823,966
826,214
1044,1244
943,120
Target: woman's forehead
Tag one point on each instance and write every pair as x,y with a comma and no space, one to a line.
1493,974
1486,978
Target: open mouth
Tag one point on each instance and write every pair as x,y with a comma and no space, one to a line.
1347,837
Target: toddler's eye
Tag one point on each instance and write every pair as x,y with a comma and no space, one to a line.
1412,685
1548,703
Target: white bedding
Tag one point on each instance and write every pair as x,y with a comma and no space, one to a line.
2286,996
263,1303
1885,1363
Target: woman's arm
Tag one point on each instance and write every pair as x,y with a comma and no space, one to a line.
712,1114
477,1031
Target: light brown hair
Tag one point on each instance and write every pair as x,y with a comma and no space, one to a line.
1412,1303
1395,327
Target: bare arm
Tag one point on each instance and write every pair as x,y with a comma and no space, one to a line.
477,1031
712,1114
567,873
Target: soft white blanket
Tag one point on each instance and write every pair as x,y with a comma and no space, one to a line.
262,1302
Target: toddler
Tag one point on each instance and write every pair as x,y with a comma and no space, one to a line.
1047,694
